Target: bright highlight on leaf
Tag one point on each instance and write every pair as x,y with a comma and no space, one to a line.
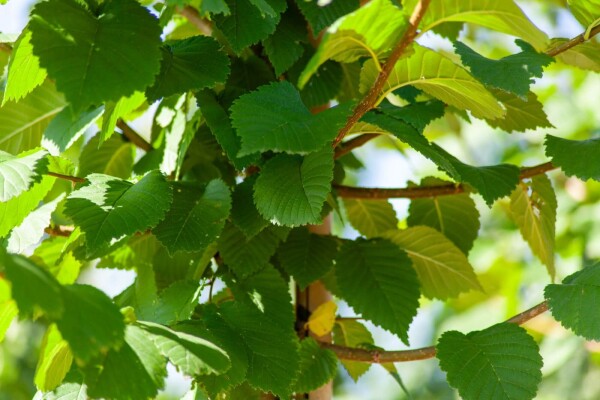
500,362
19,173
322,319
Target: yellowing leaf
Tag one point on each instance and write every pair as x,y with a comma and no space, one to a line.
321,321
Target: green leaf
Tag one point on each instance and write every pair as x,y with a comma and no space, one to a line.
220,125
32,286
585,55
192,355
67,127
317,366
292,189
500,362
176,303
573,156
115,110
54,362
371,217
268,293
244,214
586,11
246,256
418,114
113,157
444,271
499,15
245,25
91,322
520,115
274,118
321,16
24,72
284,46
272,353
178,137
72,388
574,302
371,31
22,123
185,66
135,371
439,77
307,256
351,333
196,217
456,216
14,211
533,207
31,230
492,182
109,208
377,280
96,57
19,173
512,73
8,312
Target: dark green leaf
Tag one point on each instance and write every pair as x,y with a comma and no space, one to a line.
189,64
96,57
573,156
418,114
321,16
377,280
113,157
284,46
500,362
244,214
317,366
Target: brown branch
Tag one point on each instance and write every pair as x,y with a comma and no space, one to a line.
383,356
192,15
572,43
425,191
371,98
75,179
134,137
64,231
349,145
5,47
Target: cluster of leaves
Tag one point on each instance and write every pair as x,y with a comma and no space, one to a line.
236,165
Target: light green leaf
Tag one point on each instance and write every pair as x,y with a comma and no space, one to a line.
19,173
520,115
185,66
113,157
31,230
371,31
586,11
371,217
272,353
191,354
246,256
573,156
274,118
14,211
317,366
292,189
320,16
351,333
501,362
22,123
177,139
585,55
196,217
533,207
377,280
91,322
115,110
54,254
499,15
67,127
8,308
244,214
307,256
54,362
72,388
135,371
176,303
574,303
109,208
96,57
24,72
444,271
439,77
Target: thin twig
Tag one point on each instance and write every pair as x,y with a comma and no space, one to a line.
371,98
133,136
5,47
64,231
75,179
383,356
192,15
349,145
420,192
572,43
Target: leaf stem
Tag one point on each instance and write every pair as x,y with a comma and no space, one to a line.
75,179
424,353
371,98
573,42
134,137
192,15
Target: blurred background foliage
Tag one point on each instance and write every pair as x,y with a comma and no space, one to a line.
512,277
